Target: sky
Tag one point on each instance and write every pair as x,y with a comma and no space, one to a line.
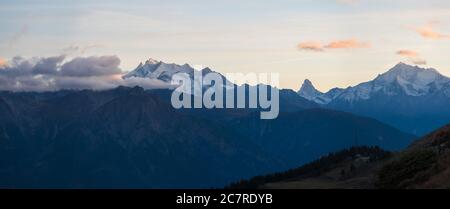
334,43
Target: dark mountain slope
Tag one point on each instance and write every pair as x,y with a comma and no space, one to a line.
303,136
289,101
416,115
133,140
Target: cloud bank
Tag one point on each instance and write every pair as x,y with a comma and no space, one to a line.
55,73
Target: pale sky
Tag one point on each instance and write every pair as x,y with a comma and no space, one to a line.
334,43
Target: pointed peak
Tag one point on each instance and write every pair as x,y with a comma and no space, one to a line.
206,70
308,92
152,61
307,84
401,64
401,67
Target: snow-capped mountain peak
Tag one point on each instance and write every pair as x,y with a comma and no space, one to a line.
413,80
308,91
402,79
155,69
152,61
411,98
144,70
413,74
162,73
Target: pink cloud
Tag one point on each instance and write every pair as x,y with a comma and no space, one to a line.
338,44
428,31
407,53
412,56
311,46
347,44
3,62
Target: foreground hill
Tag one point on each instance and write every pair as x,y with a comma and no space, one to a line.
348,168
425,164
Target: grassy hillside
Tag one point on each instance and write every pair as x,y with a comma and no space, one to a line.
349,168
425,164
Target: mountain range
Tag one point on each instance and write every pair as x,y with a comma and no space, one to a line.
133,138
410,98
130,137
413,99
120,138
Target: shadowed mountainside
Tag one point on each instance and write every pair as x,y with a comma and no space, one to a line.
132,138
